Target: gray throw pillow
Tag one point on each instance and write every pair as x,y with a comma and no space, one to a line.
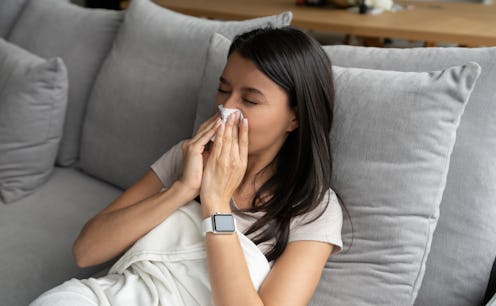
216,60
144,99
392,136
9,11
82,37
33,99
464,243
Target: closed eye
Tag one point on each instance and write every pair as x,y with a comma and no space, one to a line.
222,90
250,102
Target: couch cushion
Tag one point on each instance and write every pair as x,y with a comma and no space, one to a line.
464,243
33,99
82,38
391,140
36,234
144,99
9,11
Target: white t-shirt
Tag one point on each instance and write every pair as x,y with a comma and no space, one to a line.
326,228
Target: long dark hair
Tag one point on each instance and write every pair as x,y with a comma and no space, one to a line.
303,166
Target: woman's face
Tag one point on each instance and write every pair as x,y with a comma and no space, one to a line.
261,100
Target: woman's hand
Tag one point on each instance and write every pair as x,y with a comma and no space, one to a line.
226,165
195,154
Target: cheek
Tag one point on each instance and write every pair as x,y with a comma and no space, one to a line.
265,129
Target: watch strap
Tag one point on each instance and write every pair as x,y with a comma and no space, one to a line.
207,225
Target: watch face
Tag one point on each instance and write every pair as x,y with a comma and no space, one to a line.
224,223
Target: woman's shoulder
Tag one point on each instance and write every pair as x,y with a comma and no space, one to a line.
327,213
168,167
324,223
328,205
333,207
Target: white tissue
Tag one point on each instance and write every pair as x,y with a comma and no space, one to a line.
225,112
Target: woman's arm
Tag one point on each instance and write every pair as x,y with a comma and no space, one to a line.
295,274
143,206
291,281
130,216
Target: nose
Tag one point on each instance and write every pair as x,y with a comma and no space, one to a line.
231,101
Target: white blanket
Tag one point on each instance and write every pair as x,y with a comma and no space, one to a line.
168,266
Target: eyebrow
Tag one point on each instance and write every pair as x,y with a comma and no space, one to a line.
248,89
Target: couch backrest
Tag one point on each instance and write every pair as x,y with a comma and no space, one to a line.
82,38
9,12
144,99
464,243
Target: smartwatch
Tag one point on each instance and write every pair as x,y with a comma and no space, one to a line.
219,223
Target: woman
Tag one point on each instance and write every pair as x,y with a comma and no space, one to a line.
271,169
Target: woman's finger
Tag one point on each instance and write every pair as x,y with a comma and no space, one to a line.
243,140
207,135
228,136
207,123
218,143
206,128
235,137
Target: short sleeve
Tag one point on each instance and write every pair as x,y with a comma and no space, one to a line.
169,166
326,228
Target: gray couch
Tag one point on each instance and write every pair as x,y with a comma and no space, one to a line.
137,82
